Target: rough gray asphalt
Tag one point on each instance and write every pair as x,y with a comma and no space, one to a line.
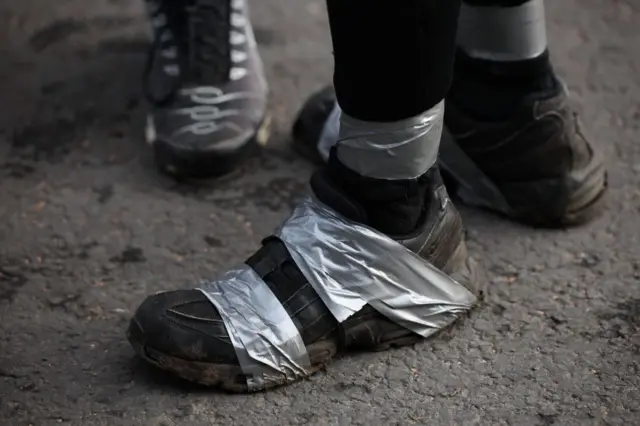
88,228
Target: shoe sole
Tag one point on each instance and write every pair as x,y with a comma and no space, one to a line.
231,378
570,200
205,164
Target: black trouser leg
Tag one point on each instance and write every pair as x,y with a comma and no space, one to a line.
393,59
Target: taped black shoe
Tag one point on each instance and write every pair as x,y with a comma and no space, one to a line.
536,167
222,334
206,85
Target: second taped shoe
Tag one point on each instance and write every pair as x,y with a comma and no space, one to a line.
536,166
206,86
512,142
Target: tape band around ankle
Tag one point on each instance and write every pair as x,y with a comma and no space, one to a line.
503,33
398,150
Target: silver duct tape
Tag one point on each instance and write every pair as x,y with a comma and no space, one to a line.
399,150
350,265
330,132
267,342
503,33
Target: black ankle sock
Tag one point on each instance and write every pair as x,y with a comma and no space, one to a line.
393,207
491,90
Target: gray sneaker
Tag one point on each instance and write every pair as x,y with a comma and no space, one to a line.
206,86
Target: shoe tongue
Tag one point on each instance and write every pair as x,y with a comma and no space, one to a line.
393,207
328,191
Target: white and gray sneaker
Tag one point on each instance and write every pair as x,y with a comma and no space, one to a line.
206,86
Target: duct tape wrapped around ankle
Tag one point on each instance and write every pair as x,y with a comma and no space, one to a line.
403,149
350,265
499,33
266,341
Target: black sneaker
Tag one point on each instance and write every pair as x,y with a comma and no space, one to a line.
536,167
206,86
183,333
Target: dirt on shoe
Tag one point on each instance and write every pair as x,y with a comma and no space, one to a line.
183,333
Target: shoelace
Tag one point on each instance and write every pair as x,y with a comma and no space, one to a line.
193,38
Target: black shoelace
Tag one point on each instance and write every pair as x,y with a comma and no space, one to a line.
196,32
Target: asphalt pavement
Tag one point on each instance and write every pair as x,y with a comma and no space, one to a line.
88,228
